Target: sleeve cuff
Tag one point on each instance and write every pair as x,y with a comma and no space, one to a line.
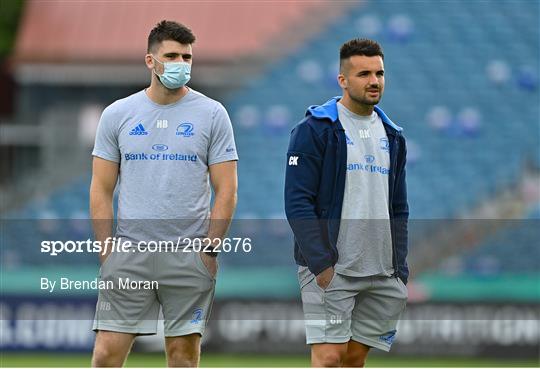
103,155
223,158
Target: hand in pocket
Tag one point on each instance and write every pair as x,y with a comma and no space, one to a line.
325,277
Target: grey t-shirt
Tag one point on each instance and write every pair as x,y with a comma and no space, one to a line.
364,241
164,152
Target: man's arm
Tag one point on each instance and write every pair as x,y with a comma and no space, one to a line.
224,182
400,219
104,177
302,178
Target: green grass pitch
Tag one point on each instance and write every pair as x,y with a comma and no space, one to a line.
250,360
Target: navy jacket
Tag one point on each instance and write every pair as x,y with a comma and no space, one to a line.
315,185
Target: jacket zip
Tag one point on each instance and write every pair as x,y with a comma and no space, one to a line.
391,199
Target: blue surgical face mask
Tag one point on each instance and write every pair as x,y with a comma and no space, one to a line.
175,74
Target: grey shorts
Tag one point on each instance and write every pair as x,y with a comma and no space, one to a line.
177,282
364,309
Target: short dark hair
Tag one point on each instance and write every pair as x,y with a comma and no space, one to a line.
169,30
359,46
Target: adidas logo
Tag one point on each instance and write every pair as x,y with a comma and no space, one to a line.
138,131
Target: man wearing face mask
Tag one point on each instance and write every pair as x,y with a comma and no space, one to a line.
163,149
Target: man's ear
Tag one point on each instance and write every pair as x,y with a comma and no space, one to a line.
342,80
149,61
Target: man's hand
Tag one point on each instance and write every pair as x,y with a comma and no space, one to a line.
210,263
102,257
325,277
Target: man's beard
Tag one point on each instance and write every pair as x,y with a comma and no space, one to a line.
366,101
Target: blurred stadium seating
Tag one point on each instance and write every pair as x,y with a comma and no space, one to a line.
513,249
453,171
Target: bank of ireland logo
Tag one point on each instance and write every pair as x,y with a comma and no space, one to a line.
384,145
160,147
348,140
185,130
196,317
369,159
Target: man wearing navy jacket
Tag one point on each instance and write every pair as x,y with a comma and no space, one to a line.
346,202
